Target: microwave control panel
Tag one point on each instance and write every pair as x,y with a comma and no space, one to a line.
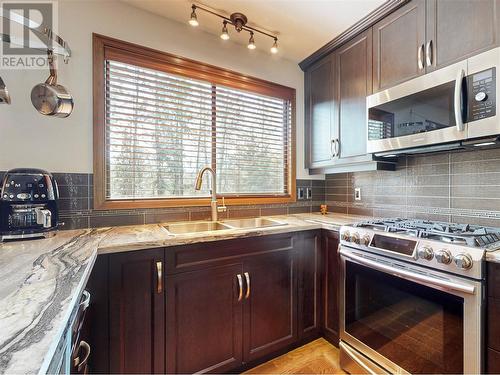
482,94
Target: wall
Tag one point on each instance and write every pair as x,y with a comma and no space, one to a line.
28,139
64,146
460,186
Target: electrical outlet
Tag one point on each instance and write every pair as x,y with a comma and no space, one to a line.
309,193
300,193
357,194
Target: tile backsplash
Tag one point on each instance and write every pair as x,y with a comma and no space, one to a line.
460,186
76,206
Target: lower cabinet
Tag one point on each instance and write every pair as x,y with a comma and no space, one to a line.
331,282
309,280
270,303
492,323
215,307
204,320
136,312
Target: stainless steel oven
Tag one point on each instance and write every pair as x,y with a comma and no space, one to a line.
445,107
397,317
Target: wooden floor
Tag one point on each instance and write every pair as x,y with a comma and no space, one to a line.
317,357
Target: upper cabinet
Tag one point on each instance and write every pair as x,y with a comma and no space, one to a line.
321,125
336,90
353,84
457,29
398,46
425,35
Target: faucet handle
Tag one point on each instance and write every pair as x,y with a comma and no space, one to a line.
222,208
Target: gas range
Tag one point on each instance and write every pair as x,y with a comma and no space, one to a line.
450,247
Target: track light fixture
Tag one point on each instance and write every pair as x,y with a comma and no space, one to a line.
239,21
193,20
224,35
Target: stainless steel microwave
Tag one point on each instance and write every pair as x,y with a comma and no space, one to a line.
442,109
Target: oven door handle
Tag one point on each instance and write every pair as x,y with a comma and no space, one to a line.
408,275
458,101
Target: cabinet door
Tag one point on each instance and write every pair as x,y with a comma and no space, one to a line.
271,307
397,41
137,312
320,112
331,282
354,83
457,29
204,321
309,285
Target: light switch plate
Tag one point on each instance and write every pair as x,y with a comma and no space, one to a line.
357,194
300,193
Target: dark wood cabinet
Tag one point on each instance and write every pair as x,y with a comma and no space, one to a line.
321,121
492,323
331,283
270,303
398,45
204,320
335,105
353,84
457,29
137,312
309,286
183,310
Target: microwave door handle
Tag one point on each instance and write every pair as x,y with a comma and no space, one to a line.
409,275
457,105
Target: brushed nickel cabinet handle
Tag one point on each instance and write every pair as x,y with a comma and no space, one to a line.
332,147
159,281
247,278
420,57
80,364
338,148
240,285
429,53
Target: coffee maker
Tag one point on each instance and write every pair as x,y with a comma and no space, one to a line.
28,204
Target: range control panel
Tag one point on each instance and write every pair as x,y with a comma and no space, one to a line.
482,94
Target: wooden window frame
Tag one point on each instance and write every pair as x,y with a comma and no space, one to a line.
106,47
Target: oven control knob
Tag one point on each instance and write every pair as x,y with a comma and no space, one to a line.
346,236
443,256
355,238
425,253
365,241
463,261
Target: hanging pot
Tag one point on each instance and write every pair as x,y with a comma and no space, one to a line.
4,93
49,98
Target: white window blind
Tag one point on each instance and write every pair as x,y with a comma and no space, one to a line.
162,128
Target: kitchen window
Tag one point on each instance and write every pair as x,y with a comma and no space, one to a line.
159,119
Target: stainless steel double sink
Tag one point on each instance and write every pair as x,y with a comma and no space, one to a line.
208,226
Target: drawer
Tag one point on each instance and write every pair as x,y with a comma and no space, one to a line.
197,256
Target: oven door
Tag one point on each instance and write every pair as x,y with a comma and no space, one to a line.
408,319
424,111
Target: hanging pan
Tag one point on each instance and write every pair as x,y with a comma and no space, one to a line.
49,98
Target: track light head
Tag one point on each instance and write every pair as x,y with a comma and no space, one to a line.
224,35
274,48
251,42
193,20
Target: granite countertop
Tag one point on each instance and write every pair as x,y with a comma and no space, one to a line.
41,280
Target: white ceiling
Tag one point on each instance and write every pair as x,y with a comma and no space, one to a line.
303,26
